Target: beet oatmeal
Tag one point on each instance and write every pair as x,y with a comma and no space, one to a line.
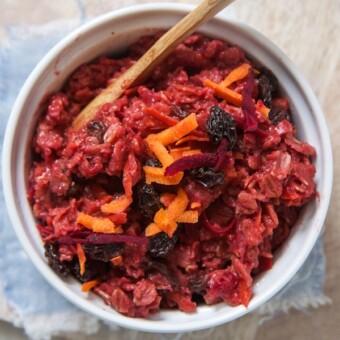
178,193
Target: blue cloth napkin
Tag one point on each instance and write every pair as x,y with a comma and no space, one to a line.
24,290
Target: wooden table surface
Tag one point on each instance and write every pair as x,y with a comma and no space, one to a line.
308,32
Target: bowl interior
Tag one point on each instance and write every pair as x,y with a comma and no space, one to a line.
111,34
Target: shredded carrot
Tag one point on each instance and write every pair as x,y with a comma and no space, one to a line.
189,216
195,205
260,107
185,151
161,117
96,224
159,150
176,132
166,198
192,138
117,206
238,73
102,225
178,205
225,93
156,175
81,258
152,229
244,292
256,72
230,173
164,221
117,260
118,229
191,152
87,286
178,152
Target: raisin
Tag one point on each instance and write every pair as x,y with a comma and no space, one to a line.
267,84
93,269
153,162
74,190
52,255
96,128
276,115
161,244
178,111
196,283
207,176
148,200
103,252
157,266
221,124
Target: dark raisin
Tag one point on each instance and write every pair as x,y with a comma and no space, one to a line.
161,244
276,115
148,200
93,269
103,252
207,176
74,190
52,255
267,84
157,266
178,111
197,283
96,128
221,124
153,162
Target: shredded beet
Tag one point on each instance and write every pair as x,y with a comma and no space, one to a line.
215,229
67,239
116,238
221,151
248,106
191,162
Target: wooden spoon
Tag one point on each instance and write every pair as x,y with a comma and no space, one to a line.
139,71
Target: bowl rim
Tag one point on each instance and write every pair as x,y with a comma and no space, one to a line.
145,324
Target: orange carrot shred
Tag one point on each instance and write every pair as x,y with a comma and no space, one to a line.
191,152
159,150
225,93
177,153
245,293
156,175
192,138
179,204
260,107
117,260
96,224
163,220
87,286
189,216
195,205
238,73
166,219
81,258
176,132
166,198
161,117
152,229
117,206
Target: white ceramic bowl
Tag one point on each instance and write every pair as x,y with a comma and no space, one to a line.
111,33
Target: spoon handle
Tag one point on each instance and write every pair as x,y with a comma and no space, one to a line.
143,67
